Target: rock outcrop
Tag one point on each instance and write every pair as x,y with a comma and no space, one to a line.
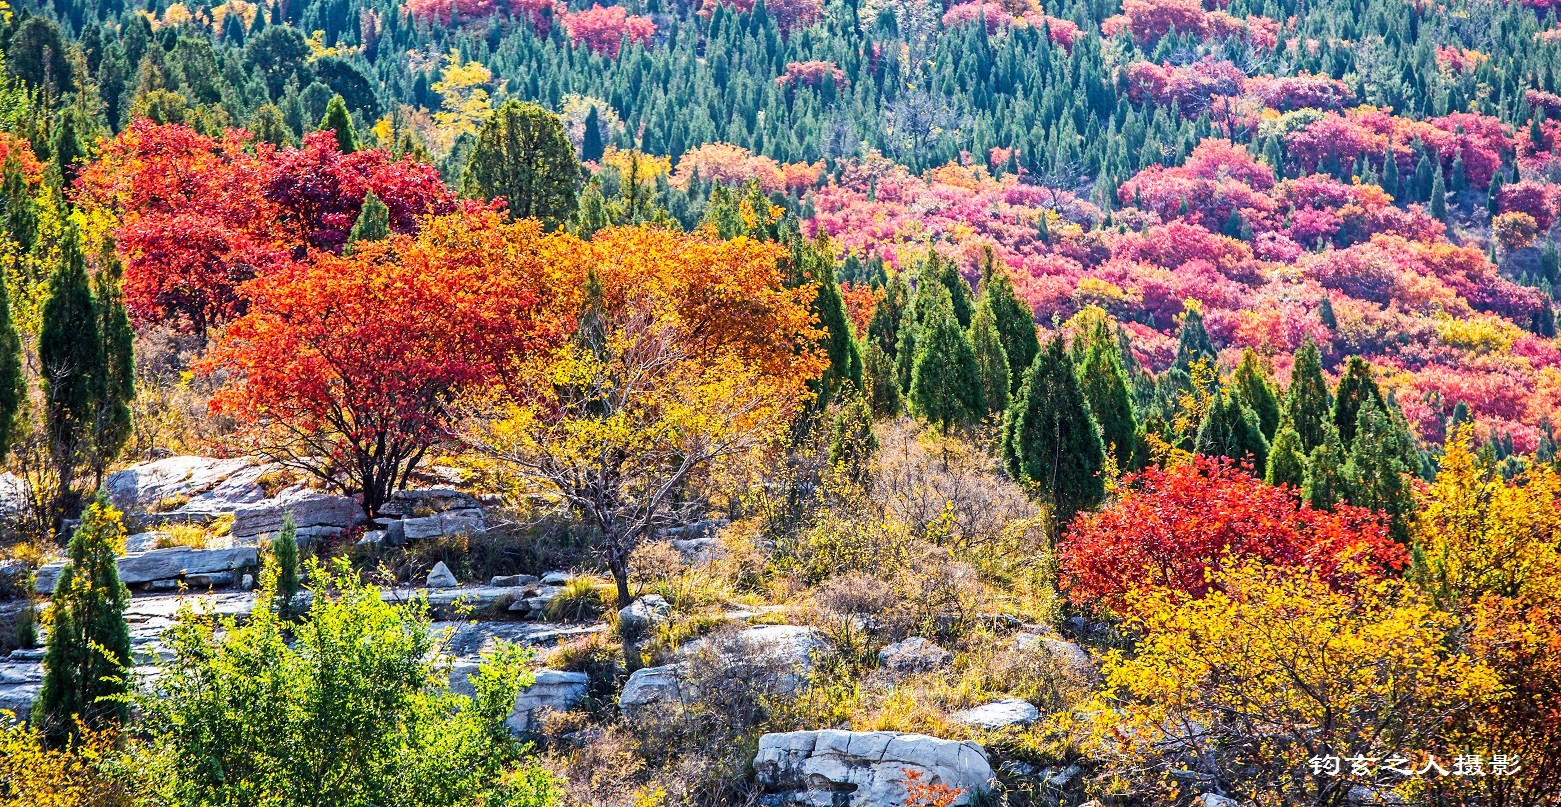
865,769
196,568
1006,713
915,654
553,691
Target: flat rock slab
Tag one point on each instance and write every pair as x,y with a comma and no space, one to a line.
163,564
1006,713
865,769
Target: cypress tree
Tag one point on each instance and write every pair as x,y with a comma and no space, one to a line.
905,348
883,382
13,380
813,263
68,147
1324,485
1306,402
942,271
1374,473
1230,429
117,387
284,553
1390,174
1423,178
523,156
1051,442
883,329
373,222
591,147
991,361
1356,387
1286,463
337,120
88,652
1251,378
21,211
1438,196
1015,321
945,379
1097,359
1460,178
1325,314
1194,343
1493,194
70,355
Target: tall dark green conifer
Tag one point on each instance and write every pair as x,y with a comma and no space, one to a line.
88,655
13,381
1015,321
373,222
1306,402
814,263
1356,387
1097,358
337,120
1194,343
71,362
946,379
941,270
1051,442
991,360
1286,463
884,328
523,155
1375,473
1230,429
591,148
117,386
883,382
1257,392
21,211
1325,486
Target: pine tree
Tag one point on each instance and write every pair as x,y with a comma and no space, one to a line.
68,146
337,120
1460,178
21,211
117,387
1286,463
991,361
1015,321
1097,359
1230,429
1194,344
70,355
1423,177
1374,473
373,222
284,553
591,148
1251,378
905,348
1051,441
1356,387
523,155
883,329
13,380
1324,485
1390,174
1325,314
945,379
88,653
937,269
1438,196
814,263
883,382
1493,194
1306,402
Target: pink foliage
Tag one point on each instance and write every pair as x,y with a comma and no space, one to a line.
1538,199
811,74
603,30
447,11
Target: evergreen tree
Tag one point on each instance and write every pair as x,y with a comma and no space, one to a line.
814,263
591,147
70,356
1356,387
88,655
1460,178
117,387
883,329
284,553
338,121
1306,402
68,146
1251,378
13,379
373,222
1374,473
1325,314
942,271
1194,344
991,361
883,382
1051,442
1324,485
945,379
1230,429
905,348
1097,359
1493,194
1438,196
523,155
1423,177
21,211
1015,321
1390,174
1286,462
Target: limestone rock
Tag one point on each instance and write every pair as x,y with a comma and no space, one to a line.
865,769
409,504
172,563
1217,800
554,691
441,577
636,619
14,498
513,581
440,524
1002,714
650,685
13,579
187,489
315,514
915,654
557,578
1071,659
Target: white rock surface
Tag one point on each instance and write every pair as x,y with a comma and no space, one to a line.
441,577
650,685
865,769
186,488
554,691
163,564
916,654
636,619
1006,713
314,514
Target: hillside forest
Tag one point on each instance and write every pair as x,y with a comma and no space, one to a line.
847,403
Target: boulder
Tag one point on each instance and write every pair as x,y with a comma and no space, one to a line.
791,647
1217,800
1006,713
18,698
315,514
865,769
553,691
172,563
650,685
556,578
638,618
513,581
14,498
409,504
185,488
1071,659
439,524
915,654
441,577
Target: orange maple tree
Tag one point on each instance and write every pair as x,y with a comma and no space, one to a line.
348,361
